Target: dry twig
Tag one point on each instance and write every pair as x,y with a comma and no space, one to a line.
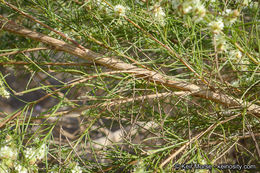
113,63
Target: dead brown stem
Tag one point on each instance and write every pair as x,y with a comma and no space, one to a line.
113,63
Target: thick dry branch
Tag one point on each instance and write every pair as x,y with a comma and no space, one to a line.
114,63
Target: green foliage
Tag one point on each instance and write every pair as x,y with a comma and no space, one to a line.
71,104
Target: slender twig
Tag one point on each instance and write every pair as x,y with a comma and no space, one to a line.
118,102
119,53
2,124
238,137
47,63
169,49
68,38
254,139
23,51
216,58
223,154
243,51
73,148
114,63
44,25
172,156
110,103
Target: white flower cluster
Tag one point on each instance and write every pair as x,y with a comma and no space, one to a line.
3,92
226,18
21,169
195,7
101,4
236,57
254,5
76,169
216,26
33,155
120,10
140,167
230,16
219,41
158,14
245,2
7,152
9,156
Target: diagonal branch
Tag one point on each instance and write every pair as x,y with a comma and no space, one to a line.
172,156
114,63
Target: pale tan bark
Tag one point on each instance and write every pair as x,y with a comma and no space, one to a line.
114,63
